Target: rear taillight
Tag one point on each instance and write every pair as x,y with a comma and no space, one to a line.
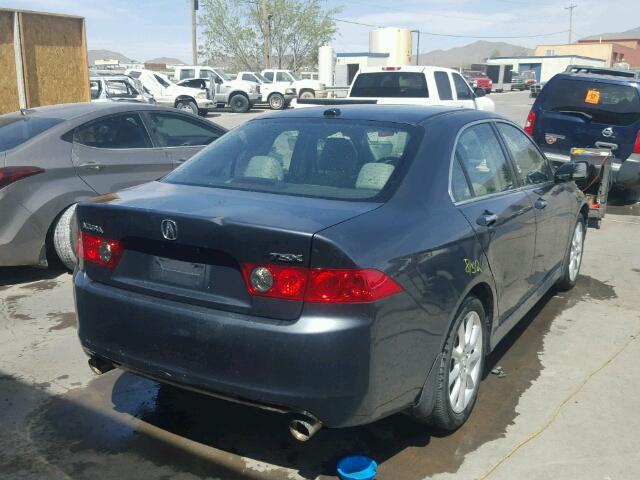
318,285
636,146
530,124
9,175
99,250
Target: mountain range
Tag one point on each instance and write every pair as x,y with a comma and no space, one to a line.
476,52
109,54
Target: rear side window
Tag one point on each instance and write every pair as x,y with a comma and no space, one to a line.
114,132
597,101
483,162
444,86
161,81
269,76
390,85
95,88
531,166
187,73
177,131
314,158
462,88
15,129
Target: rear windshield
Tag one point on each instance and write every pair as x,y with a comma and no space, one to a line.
315,158
390,85
601,102
15,129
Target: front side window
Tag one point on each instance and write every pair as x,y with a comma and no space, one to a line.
178,131
531,166
187,73
307,157
114,132
282,77
95,88
120,88
483,161
161,81
444,86
462,88
390,85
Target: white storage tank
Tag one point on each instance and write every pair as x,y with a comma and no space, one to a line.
394,41
326,64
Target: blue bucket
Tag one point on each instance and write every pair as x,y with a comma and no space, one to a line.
357,467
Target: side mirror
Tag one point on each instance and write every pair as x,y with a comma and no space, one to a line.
479,92
571,171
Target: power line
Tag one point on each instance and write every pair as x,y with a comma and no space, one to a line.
451,35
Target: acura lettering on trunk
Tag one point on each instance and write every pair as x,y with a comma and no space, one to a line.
337,265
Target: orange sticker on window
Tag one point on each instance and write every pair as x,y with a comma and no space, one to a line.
593,97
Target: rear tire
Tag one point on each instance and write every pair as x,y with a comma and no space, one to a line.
460,370
573,258
307,94
239,103
63,241
276,101
187,106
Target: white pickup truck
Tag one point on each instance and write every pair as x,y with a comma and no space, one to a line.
305,88
277,95
409,85
169,94
238,95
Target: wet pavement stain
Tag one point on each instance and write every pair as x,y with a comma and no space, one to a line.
11,305
64,319
120,422
40,286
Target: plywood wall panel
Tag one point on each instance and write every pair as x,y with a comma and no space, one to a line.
8,79
54,56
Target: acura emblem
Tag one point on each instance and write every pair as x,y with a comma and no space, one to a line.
169,229
607,132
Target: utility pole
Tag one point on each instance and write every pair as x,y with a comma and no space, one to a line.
194,32
570,8
266,22
417,32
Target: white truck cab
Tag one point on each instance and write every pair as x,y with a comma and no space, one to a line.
169,94
412,85
277,95
237,94
305,88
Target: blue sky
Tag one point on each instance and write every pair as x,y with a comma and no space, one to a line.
143,29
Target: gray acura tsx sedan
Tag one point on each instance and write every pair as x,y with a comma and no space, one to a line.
337,264
53,157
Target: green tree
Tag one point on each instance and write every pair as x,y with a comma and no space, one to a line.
235,32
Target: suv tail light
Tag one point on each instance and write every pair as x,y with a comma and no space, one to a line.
9,175
318,285
530,123
636,146
99,250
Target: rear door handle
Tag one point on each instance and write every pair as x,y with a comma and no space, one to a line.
91,165
540,204
487,219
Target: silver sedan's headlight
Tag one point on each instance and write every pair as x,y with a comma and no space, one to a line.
201,96
290,91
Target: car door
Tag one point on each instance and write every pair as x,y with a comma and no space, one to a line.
464,95
115,152
445,92
180,136
554,204
486,192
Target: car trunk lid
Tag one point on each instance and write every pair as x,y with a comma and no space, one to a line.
216,231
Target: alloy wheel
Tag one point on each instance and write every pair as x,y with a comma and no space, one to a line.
575,254
464,368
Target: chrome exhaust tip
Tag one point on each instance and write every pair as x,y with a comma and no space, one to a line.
100,366
303,429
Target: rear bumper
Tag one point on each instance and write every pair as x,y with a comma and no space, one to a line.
21,241
327,363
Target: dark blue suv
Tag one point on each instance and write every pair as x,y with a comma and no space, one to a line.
585,108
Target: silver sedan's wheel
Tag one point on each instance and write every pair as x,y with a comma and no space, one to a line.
575,252
63,240
464,368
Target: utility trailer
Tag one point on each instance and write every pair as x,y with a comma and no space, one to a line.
598,182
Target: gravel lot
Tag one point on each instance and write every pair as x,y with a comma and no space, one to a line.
566,409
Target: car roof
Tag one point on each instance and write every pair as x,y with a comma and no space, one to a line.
598,77
407,114
69,111
406,68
